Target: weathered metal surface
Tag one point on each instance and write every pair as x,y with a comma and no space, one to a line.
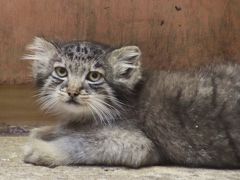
171,34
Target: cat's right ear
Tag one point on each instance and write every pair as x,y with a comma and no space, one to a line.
41,52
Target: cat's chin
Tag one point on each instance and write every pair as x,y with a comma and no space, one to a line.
73,108
78,108
73,103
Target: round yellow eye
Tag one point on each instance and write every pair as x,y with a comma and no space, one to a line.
94,76
61,71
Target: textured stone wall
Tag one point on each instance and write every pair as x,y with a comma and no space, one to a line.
171,34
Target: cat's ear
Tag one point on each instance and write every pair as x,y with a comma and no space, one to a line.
126,65
41,52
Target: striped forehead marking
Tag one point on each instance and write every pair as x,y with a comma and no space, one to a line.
83,52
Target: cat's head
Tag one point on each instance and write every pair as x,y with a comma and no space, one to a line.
80,78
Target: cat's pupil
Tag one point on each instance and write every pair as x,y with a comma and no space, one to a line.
95,75
62,71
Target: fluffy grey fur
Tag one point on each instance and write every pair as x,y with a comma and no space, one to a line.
113,114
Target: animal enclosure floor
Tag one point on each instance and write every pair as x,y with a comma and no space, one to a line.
12,168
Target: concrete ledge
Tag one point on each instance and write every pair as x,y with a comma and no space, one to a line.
12,168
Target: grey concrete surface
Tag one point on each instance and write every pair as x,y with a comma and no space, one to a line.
12,168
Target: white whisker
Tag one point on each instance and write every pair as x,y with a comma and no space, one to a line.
98,113
92,111
111,107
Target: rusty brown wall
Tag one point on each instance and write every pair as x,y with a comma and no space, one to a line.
171,34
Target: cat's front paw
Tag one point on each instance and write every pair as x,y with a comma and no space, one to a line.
42,132
42,153
36,133
34,155
31,155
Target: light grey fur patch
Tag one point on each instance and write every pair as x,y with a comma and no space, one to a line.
126,65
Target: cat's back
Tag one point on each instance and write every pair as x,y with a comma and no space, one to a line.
194,116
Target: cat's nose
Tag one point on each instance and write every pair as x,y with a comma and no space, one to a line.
73,93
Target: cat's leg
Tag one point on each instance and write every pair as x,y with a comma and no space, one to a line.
45,132
111,146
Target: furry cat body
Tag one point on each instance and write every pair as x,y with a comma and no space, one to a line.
133,118
193,117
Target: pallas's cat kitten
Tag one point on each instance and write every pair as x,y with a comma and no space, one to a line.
112,113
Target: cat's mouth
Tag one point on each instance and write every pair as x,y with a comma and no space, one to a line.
72,102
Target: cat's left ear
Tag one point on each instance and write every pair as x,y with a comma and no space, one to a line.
126,65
